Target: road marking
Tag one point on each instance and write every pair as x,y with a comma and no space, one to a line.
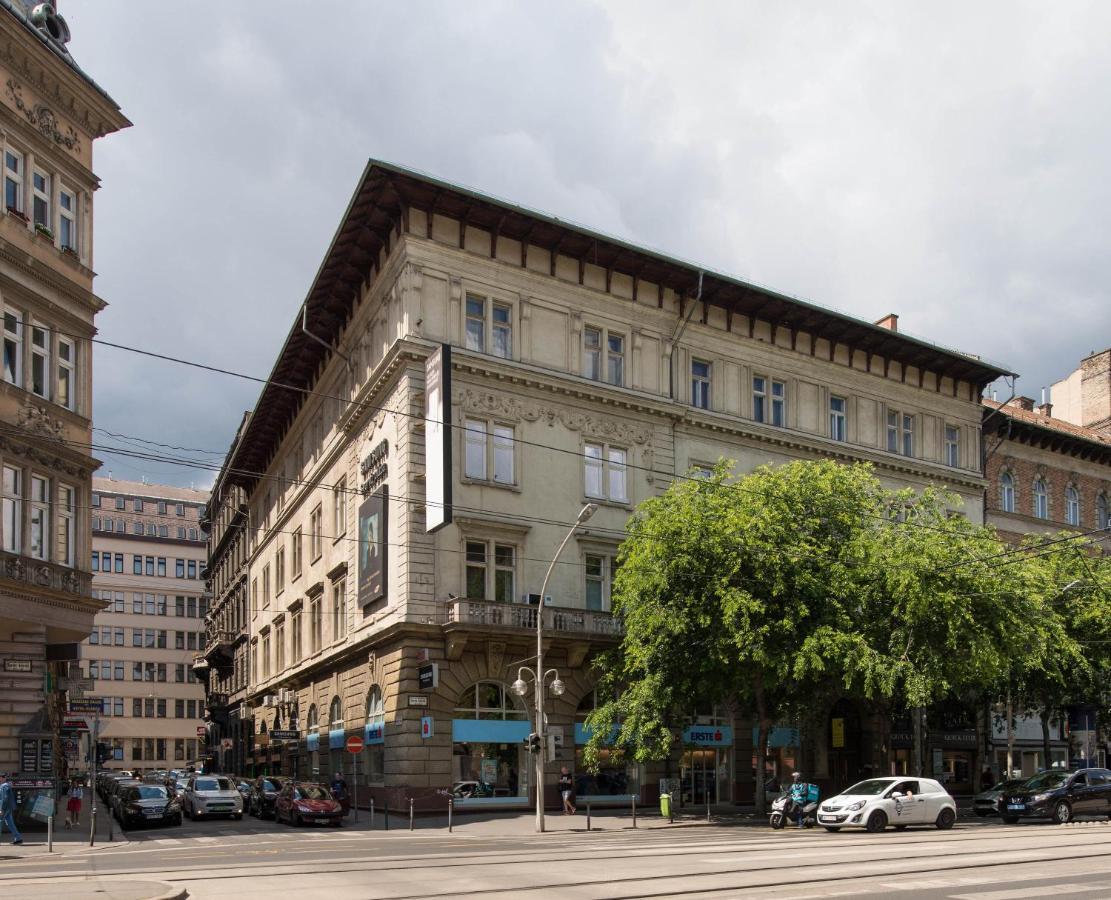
1044,890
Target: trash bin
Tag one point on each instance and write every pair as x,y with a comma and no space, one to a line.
665,805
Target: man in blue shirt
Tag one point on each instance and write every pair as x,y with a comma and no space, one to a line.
7,809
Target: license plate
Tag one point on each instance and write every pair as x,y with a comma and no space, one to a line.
152,812
826,818
321,821
1016,806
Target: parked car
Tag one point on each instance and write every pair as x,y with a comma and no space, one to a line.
263,794
211,795
113,788
875,803
1060,796
303,803
242,785
461,790
986,803
146,804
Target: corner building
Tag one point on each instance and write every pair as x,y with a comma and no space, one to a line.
583,369
51,112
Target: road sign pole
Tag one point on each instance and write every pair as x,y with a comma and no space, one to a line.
354,787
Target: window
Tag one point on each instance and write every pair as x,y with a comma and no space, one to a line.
118,569
1072,505
40,361
900,433
266,586
837,422
40,517
490,700
600,570
67,218
161,567
66,533
1007,492
779,404
295,636
759,398
137,504
265,653
295,555
13,180
476,324
13,348
315,542
40,199
489,451
490,582
137,528
121,503
339,509
603,354
501,331
700,384
316,624
150,568
279,571
339,608
279,645
180,509
179,568
191,568
952,446
163,531
12,522
1041,499
606,472
96,561
1103,512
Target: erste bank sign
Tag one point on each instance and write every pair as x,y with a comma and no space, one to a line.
708,736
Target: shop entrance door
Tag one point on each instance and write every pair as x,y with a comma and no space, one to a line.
700,776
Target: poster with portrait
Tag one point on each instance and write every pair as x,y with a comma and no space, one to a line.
373,540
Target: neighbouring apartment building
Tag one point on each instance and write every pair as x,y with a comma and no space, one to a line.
51,112
148,557
581,369
1048,468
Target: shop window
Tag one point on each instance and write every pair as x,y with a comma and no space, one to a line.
372,770
615,776
490,700
495,768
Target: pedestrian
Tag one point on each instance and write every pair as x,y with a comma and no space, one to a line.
7,809
566,791
339,792
73,804
986,778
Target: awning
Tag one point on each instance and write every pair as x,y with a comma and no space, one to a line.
374,734
489,731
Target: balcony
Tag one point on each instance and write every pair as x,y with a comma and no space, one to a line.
558,621
219,650
216,701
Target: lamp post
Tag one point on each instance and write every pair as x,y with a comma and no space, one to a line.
539,674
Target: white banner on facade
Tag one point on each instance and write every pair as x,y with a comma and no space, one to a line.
437,439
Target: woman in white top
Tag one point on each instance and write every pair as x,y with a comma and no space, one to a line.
73,805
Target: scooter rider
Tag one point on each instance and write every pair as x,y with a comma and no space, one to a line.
798,792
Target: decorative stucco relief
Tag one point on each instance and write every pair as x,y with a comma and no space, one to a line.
42,118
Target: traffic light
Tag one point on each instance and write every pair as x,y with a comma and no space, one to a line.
533,743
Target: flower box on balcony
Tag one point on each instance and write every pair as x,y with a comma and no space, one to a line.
44,232
18,213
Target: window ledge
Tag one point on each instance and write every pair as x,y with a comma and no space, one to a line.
612,504
485,482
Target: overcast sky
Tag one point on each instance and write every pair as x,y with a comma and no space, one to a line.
944,161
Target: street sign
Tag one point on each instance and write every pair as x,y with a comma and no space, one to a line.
72,723
201,731
428,676
285,734
418,700
17,665
85,705
354,744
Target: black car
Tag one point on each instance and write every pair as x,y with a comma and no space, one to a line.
147,804
264,790
1059,796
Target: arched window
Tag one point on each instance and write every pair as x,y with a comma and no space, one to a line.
335,713
490,700
1041,499
1103,513
311,722
375,706
1007,492
371,771
1072,505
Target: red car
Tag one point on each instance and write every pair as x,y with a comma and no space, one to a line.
305,803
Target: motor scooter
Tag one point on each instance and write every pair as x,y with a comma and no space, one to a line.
785,809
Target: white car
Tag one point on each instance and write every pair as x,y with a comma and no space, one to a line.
878,802
211,795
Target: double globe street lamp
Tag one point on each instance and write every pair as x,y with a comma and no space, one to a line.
540,675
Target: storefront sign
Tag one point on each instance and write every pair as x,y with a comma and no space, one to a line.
72,723
428,676
85,705
375,733
335,739
837,733
488,771
28,755
708,735
312,742
373,468
43,807
583,733
778,737
201,731
437,439
418,700
489,731
46,756
426,727
960,738
17,665
373,537
280,734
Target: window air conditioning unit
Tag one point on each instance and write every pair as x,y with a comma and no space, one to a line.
534,599
269,700
287,696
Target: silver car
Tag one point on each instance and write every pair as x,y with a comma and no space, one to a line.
211,795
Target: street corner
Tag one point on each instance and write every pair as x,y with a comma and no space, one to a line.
95,888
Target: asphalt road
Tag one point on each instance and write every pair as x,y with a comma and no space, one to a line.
502,858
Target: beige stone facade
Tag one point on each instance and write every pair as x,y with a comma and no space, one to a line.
583,370
50,114
149,552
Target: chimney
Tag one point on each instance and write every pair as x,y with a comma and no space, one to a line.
1026,403
1045,408
890,322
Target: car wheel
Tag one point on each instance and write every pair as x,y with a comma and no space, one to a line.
1062,813
1010,820
877,821
832,828
981,813
177,819
296,820
237,816
945,819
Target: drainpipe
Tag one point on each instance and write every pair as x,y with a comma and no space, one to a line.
321,341
679,329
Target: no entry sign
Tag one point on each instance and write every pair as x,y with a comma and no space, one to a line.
354,744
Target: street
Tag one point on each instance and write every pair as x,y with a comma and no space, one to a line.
501,856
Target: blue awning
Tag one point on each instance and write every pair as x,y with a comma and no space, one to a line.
778,737
488,731
336,738
312,742
582,733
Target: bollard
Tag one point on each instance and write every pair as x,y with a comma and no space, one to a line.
671,809
371,814
707,807
92,825
386,815
588,815
49,834
450,809
410,813
634,799
111,827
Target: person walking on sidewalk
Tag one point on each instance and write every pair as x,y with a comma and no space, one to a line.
7,809
73,804
566,791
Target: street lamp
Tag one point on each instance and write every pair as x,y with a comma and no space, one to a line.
539,675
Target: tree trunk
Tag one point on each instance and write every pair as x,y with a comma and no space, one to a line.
763,727
981,747
1045,714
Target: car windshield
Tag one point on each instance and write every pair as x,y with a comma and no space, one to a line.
212,784
869,788
151,792
313,792
1046,781
268,785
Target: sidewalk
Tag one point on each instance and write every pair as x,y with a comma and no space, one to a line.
97,889
66,840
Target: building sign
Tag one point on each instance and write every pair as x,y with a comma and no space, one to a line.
837,733
284,734
28,755
373,469
373,535
426,727
73,723
708,735
374,733
85,705
437,439
428,676
201,731
417,700
17,665
960,738
46,755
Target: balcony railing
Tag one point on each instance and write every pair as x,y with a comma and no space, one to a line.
557,620
42,574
